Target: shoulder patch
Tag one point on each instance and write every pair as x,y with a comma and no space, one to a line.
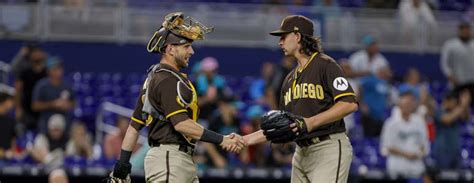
340,83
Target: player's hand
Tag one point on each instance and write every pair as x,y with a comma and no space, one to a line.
121,173
233,143
240,140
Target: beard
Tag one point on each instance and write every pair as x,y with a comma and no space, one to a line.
181,62
465,39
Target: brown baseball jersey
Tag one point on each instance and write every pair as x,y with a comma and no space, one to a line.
171,95
314,89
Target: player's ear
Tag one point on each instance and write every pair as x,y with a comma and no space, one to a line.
169,49
298,36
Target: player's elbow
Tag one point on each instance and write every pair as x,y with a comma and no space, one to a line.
180,127
351,107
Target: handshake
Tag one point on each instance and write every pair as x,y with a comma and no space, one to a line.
277,126
233,143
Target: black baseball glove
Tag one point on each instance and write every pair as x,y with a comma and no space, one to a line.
121,173
281,126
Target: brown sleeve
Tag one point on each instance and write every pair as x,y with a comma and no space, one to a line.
339,87
138,118
281,102
172,109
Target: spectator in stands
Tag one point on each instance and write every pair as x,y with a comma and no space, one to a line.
282,154
113,141
7,126
374,100
346,67
416,19
24,85
363,61
210,87
260,90
413,83
53,95
58,176
200,156
280,72
457,59
224,121
22,59
49,148
254,155
447,145
138,159
80,143
405,141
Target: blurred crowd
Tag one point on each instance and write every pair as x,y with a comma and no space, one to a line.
410,123
457,5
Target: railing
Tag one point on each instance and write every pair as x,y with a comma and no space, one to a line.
5,70
102,127
242,25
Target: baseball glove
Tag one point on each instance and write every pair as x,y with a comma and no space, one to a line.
277,126
121,173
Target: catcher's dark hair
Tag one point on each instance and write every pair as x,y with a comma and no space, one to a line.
310,45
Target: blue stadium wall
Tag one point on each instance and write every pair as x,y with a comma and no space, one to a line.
111,57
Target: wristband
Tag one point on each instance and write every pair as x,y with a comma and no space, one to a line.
212,137
125,156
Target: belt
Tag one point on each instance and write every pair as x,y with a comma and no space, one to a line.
183,148
311,141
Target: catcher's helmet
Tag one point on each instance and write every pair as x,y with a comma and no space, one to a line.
177,29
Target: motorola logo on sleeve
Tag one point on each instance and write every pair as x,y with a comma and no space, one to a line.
340,84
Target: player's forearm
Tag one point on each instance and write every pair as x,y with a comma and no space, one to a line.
196,131
336,112
255,138
190,128
130,139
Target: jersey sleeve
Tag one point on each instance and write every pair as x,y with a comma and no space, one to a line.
173,109
339,87
138,117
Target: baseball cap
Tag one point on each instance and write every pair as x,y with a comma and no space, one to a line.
368,40
53,62
295,23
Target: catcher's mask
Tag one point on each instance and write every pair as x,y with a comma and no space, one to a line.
177,29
